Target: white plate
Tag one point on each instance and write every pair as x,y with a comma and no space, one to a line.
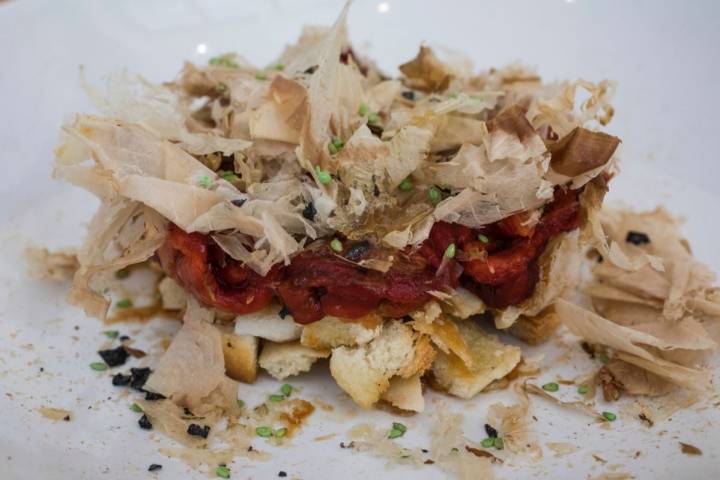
663,58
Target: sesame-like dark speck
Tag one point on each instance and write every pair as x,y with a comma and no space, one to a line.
144,423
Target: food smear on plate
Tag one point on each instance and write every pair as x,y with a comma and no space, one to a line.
320,208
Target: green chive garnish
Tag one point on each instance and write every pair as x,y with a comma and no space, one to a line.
276,398
483,238
264,431
394,433
280,67
603,358
286,389
215,61
373,118
336,245
229,176
261,76
240,403
406,185
498,443
323,176
332,149
122,273
363,109
435,195
399,426
551,387
583,389
124,303
337,142
204,181
99,366
280,432
136,408
609,416
111,333
222,471
488,442
450,251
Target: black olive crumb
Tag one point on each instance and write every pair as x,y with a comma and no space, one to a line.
198,431
409,94
154,467
144,423
152,396
376,130
124,338
139,377
311,70
309,211
114,357
491,432
250,448
66,418
42,369
637,238
425,450
238,202
347,445
120,380
284,312
357,251
282,474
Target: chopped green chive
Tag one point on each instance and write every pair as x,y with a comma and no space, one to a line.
286,389
363,109
261,76
122,273
276,398
124,303
222,471
280,67
223,61
280,432
336,245
111,333
373,118
240,403
399,426
603,358
435,195
323,176
454,450
215,61
488,442
395,433
583,389
450,251
483,238
337,142
498,443
229,176
551,387
204,181
264,432
136,408
332,149
99,366
406,185
609,416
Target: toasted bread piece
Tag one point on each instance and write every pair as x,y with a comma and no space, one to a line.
241,356
172,295
405,393
332,332
282,360
364,371
535,330
463,304
446,336
268,324
491,360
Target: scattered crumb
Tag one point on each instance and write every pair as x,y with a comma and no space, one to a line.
688,449
55,414
562,448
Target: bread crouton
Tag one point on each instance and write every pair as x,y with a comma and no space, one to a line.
535,330
282,360
269,325
332,332
364,371
491,360
241,354
172,295
405,393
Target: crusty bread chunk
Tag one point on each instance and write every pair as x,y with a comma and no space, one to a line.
172,295
268,324
463,304
364,371
405,393
241,353
491,360
535,330
446,335
282,360
332,332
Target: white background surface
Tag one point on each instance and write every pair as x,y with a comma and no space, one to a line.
664,55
